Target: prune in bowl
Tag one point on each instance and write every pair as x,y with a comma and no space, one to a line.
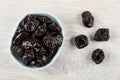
37,40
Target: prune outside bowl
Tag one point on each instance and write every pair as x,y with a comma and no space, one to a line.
56,20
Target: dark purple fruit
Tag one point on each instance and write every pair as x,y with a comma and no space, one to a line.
48,20
40,31
102,35
50,53
88,19
98,56
30,26
41,60
33,44
27,44
17,52
28,57
59,39
54,28
18,38
81,41
52,41
40,50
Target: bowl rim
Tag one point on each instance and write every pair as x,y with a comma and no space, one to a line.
50,15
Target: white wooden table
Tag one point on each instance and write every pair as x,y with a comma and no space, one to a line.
73,63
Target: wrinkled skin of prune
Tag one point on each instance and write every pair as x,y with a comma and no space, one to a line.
81,41
53,41
40,31
98,56
28,57
102,35
36,40
54,28
87,19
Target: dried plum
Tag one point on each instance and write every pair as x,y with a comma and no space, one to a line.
28,57
81,41
52,41
88,19
102,35
17,52
30,27
54,28
98,56
40,31
18,38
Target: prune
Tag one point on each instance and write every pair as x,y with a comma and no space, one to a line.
49,41
39,62
26,44
50,53
30,27
34,43
41,19
29,53
54,28
48,20
102,35
19,38
81,41
40,31
52,41
88,19
98,56
28,57
45,19
40,50
17,51
59,39
30,17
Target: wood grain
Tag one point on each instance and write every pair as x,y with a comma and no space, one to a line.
72,64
